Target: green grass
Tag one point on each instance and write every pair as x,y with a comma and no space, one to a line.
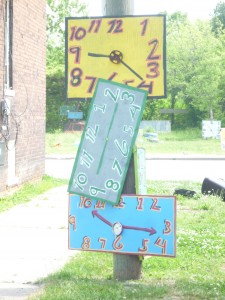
28,191
197,272
181,142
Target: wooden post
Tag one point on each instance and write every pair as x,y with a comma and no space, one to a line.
126,267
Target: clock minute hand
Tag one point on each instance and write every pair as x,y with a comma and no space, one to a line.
128,67
96,214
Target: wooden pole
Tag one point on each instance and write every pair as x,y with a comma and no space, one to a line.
126,267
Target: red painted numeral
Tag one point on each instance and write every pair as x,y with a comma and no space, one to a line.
144,246
154,205
72,221
85,202
76,51
93,81
167,229
95,25
86,243
116,244
103,242
140,203
76,75
100,205
77,33
115,26
144,25
155,44
162,244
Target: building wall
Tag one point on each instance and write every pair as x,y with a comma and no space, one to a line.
24,158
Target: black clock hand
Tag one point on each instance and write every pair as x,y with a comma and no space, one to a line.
116,57
97,55
128,67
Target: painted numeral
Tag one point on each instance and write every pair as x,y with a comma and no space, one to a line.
76,51
80,181
94,26
77,33
154,43
85,202
144,24
162,244
100,107
115,26
91,133
93,190
122,148
86,243
148,87
112,76
103,242
128,97
76,76
93,81
144,246
133,109
100,205
117,245
72,221
140,203
112,185
153,69
167,229
86,159
114,97
121,204
128,129
154,205
116,166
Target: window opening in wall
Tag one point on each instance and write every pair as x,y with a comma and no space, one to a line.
8,44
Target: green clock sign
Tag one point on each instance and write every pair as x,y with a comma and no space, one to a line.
107,141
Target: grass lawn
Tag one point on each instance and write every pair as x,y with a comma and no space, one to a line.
28,191
198,271
182,142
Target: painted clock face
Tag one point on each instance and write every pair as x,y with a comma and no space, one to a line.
137,225
128,50
107,141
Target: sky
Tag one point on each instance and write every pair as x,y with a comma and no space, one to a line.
195,9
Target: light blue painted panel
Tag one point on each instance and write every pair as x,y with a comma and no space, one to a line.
141,225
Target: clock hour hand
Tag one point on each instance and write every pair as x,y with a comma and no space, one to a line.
97,55
116,57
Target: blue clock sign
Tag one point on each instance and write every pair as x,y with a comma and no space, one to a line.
107,141
139,225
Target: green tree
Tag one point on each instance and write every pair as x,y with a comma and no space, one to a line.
193,69
218,18
56,13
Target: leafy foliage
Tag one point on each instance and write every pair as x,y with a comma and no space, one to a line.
57,11
218,19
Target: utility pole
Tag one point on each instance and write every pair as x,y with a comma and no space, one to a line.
126,267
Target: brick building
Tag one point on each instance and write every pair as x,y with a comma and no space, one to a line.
22,88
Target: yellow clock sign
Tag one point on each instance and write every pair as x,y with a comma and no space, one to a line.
130,50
